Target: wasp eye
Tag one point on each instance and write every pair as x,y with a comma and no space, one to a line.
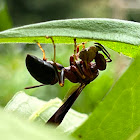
100,62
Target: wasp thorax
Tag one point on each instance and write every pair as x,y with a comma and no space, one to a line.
88,54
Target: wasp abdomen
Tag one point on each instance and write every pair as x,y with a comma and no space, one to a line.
41,70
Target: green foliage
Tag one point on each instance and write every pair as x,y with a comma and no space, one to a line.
115,109
117,116
63,31
40,111
12,128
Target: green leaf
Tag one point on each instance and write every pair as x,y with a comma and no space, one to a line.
63,31
118,116
12,128
33,109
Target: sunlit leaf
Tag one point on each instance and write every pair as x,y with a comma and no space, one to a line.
63,31
117,117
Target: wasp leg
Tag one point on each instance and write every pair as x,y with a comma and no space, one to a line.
76,49
73,64
57,66
75,54
34,86
53,47
60,74
86,69
82,44
76,68
44,57
73,74
61,82
62,111
108,60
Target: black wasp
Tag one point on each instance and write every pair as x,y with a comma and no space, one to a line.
82,70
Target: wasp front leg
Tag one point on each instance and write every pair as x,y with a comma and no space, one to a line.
82,44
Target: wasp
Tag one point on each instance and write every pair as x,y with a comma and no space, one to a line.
82,70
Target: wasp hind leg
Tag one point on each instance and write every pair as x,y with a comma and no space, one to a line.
57,66
54,46
43,51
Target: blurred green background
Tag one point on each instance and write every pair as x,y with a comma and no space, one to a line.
13,73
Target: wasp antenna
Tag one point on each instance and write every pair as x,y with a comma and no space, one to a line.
34,86
102,48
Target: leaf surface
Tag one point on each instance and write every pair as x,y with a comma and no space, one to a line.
63,31
33,109
117,116
12,128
